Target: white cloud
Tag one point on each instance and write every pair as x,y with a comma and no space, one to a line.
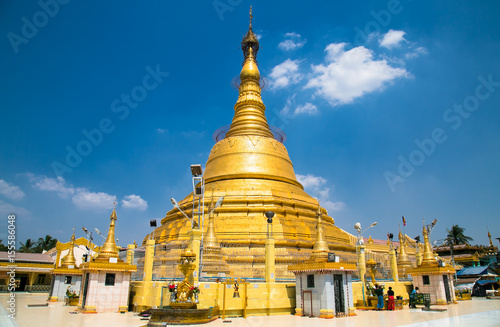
348,75
417,52
285,74
11,191
392,39
134,202
81,197
315,186
286,109
334,51
307,108
292,41
57,185
310,181
161,130
333,206
9,209
84,199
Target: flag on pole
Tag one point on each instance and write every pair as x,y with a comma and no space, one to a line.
404,221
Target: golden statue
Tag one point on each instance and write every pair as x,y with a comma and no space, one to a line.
185,289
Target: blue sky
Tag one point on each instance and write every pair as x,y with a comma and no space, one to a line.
391,108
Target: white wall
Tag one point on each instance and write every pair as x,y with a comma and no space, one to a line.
323,295
60,287
108,298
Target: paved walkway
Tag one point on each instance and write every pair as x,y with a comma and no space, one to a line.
479,312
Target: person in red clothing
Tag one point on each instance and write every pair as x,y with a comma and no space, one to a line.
390,301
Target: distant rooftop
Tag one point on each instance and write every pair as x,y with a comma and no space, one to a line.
481,270
28,257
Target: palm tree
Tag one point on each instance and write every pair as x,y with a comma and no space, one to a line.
3,247
45,244
456,236
27,247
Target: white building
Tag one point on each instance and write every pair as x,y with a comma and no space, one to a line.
106,278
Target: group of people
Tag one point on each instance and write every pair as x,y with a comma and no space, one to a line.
379,292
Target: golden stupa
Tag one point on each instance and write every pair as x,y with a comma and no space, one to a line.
254,173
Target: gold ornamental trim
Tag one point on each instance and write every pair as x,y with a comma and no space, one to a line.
108,266
66,271
27,265
432,270
324,266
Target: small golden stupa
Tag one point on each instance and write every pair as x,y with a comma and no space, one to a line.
69,259
404,262
254,173
434,276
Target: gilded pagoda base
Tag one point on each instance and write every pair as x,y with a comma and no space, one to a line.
182,316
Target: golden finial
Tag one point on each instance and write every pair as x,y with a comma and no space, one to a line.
211,238
428,258
113,214
69,259
252,119
489,237
320,248
108,249
403,260
251,16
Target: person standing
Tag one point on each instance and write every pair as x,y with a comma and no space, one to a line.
413,297
379,292
390,300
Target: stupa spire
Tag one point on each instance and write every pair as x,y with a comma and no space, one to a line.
404,262
251,16
249,117
320,248
428,258
108,249
210,238
69,259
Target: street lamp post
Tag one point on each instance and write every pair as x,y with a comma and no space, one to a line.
89,241
360,253
99,233
198,198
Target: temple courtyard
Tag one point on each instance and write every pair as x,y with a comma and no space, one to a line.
477,312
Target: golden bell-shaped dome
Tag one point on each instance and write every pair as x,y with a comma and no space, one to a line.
108,249
250,69
69,259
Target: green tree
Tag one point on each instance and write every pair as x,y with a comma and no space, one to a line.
45,244
3,247
28,246
456,236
